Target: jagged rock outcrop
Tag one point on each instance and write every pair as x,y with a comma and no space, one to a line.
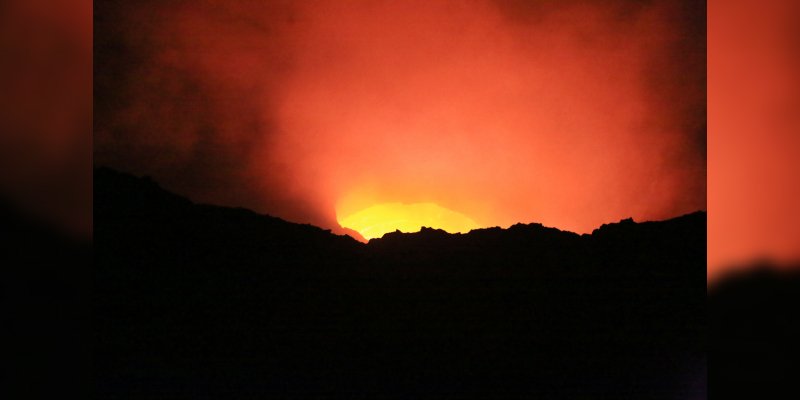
195,300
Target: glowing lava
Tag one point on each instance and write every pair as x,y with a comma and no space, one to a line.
375,221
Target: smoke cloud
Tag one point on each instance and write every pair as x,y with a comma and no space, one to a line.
754,132
569,113
46,111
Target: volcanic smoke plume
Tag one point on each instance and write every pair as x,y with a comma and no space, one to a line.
46,110
754,132
569,113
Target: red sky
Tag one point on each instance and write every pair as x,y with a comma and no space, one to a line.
571,114
753,132
46,109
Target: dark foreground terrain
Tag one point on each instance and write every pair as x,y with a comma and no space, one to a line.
197,301
754,337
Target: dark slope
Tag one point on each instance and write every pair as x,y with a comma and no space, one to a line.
45,280
755,333
212,302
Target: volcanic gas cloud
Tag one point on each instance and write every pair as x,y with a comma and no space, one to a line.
754,126
569,113
46,111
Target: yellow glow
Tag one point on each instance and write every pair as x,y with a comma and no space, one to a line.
375,221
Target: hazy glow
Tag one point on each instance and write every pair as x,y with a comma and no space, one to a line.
753,126
375,221
569,113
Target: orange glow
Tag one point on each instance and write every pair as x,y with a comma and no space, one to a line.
570,113
753,125
375,221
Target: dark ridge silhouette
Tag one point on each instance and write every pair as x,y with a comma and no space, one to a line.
198,301
755,332
45,286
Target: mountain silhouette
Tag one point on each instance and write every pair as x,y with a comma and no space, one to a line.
754,331
200,301
45,286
